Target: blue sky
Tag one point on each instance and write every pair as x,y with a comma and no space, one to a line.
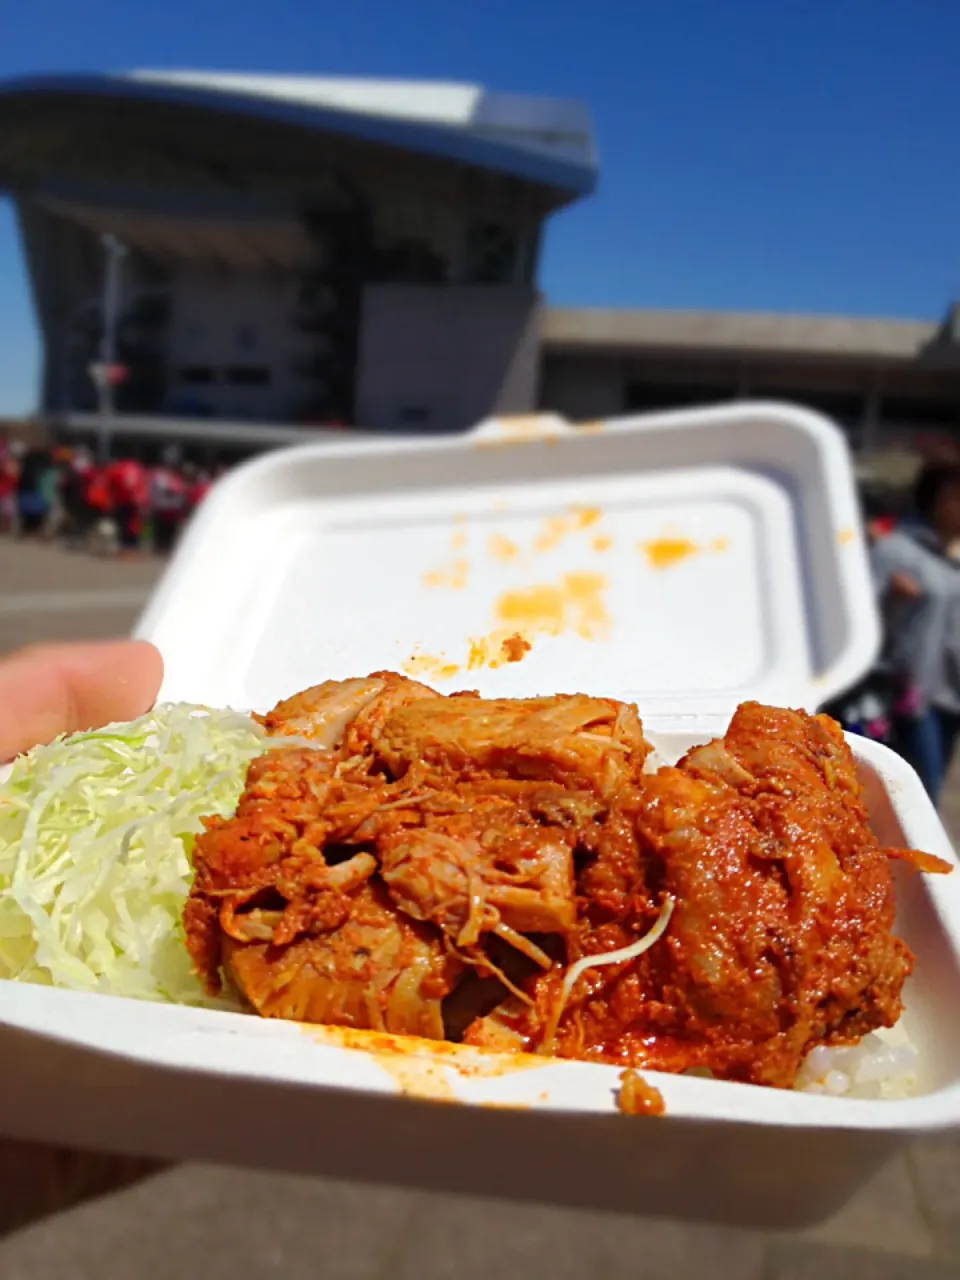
755,154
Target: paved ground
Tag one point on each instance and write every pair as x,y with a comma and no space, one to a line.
208,1223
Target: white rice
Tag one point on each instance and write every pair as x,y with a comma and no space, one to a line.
883,1065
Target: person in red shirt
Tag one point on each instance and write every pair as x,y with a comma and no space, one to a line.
169,496
129,488
99,528
96,493
9,474
880,527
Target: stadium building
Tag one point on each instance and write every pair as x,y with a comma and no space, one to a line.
292,252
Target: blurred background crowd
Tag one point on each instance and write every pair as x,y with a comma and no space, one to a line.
122,506
910,700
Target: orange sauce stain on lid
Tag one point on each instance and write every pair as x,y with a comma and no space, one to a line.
421,1068
555,528
519,423
530,428
602,542
514,648
478,653
576,602
719,545
584,592
845,537
584,517
416,1078
467,1059
502,548
432,666
452,576
664,553
496,650
542,607
458,541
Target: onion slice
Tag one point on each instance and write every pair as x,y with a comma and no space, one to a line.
620,956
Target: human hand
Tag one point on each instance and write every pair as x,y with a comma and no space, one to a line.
905,586
46,691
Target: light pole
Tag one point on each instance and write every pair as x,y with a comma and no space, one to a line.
114,253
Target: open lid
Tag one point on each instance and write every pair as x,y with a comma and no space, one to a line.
685,561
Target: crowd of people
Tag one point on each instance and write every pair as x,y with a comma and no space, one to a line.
911,699
122,506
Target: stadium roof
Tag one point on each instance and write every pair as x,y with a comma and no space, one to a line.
541,140
585,329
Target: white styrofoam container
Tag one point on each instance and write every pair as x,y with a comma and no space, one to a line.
684,561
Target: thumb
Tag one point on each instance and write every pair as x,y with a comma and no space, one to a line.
54,689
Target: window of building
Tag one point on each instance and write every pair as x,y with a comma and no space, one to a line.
196,375
643,397
413,415
404,220
932,411
248,375
410,262
845,407
492,254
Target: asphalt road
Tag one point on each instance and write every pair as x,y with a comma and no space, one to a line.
210,1222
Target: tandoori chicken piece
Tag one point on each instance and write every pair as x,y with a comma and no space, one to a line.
322,714
780,934
841,966
289,904
480,862
377,971
571,739
525,782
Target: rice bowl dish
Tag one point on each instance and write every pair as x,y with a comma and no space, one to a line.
101,837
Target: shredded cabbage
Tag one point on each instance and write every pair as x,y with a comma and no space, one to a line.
96,832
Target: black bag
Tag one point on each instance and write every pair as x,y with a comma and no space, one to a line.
869,708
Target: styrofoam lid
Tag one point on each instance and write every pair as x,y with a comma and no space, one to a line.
685,561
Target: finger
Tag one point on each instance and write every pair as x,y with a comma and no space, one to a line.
54,689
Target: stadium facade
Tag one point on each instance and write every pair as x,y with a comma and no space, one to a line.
299,252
